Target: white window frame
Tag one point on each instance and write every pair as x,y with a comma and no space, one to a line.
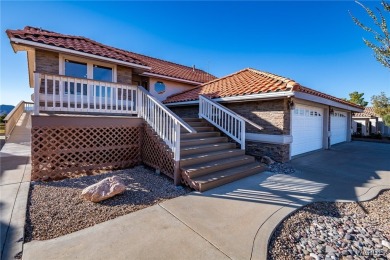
89,63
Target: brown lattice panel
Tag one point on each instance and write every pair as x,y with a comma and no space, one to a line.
61,152
156,154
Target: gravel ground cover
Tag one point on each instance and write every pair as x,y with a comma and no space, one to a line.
281,168
56,208
327,230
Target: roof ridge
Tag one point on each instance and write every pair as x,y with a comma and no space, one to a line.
275,76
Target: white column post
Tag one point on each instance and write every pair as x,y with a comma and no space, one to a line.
242,134
37,86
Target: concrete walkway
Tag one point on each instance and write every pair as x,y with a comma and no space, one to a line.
230,222
14,186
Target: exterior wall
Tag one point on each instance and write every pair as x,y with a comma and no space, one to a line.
186,111
47,62
171,87
66,146
273,115
278,152
124,75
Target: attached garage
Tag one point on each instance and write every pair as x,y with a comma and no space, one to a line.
307,129
338,127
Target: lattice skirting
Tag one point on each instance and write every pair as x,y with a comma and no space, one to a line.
156,154
61,152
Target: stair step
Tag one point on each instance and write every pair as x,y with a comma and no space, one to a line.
219,178
199,141
192,119
206,148
187,136
201,169
199,129
210,156
201,123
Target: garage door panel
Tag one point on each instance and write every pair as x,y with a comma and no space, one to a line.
307,129
338,127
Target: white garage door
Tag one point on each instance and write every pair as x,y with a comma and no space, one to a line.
338,127
307,129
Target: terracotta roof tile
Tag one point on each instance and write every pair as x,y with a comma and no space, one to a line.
82,44
246,82
367,112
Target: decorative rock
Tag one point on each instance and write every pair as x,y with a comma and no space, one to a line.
314,256
104,189
386,244
267,160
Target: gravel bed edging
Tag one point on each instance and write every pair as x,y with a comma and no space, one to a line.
56,208
259,244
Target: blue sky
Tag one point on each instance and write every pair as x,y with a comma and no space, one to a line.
315,43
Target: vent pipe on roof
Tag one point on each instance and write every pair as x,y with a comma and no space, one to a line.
193,68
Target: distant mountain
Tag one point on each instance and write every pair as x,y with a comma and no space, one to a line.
5,109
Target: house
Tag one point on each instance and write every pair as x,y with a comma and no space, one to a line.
97,107
368,122
295,119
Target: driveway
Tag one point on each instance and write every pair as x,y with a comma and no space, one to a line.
233,221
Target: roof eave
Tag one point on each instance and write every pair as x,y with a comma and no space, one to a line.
326,101
149,74
252,97
78,53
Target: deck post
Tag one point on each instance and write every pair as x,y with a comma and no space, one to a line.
36,93
177,174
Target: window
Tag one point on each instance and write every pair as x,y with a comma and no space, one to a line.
159,87
76,69
102,73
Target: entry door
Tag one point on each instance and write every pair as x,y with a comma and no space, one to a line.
338,127
307,129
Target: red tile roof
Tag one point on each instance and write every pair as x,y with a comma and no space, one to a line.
82,44
246,82
367,112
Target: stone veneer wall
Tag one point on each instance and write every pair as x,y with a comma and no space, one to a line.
124,75
273,115
47,62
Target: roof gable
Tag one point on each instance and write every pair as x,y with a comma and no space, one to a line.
85,45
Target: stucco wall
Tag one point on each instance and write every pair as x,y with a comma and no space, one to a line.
171,87
47,62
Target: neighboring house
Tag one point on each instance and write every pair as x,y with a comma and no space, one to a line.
368,122
99,107
295,119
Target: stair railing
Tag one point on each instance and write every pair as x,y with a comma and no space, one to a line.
164,122
229,122
13,117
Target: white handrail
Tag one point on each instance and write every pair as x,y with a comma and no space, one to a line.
162,120
13,117
70,94
224,119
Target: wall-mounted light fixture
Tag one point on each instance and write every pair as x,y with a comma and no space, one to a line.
331,111
290,104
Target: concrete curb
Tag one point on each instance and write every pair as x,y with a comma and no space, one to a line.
265,232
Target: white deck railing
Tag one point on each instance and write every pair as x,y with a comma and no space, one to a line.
61,93
166,124
229,122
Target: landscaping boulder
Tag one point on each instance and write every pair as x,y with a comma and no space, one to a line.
104,189
267,160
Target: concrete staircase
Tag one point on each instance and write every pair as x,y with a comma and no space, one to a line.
208,160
